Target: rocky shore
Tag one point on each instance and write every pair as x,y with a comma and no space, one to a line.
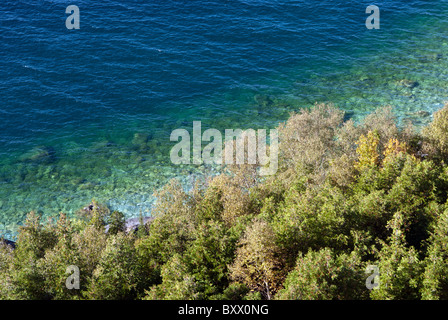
132,225
9,243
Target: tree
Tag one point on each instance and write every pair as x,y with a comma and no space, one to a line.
435,281
419,184
34,239
6,265
208,256
368,153
258,263
312,218
307,142
399,267
89,243
56,260
177,284
114,276
323,275
436,136
117,222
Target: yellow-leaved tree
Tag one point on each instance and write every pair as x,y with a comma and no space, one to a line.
258,263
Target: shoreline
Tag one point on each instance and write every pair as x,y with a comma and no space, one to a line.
127,159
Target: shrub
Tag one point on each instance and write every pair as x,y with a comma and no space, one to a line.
173,227
393,148
177,283
235,291
234,196
436,135
34,239
94,213
89,244
368,152
209,255
115,274
307,141
56,260
323,275
6,265
117,222
399,267
418,185
258,263
384,123
313,218
435,282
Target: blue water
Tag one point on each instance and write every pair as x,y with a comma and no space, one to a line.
149,68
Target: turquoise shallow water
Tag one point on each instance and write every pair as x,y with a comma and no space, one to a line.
88,113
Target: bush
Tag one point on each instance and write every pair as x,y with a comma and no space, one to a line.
307,141
368,153
117,222
436,136
399,267
56,261
115,274
6,265
258,262
27,278
323,275
435,282
177,283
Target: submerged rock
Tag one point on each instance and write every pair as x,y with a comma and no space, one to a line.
103,148
364,78
263,100
77,181
140,138
133,224
9,243
408,83
86,186
39,155
422,113
89,208
140,141
431,58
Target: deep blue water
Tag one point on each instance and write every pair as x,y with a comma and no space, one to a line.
152,67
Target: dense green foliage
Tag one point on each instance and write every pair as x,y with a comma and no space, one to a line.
344,197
